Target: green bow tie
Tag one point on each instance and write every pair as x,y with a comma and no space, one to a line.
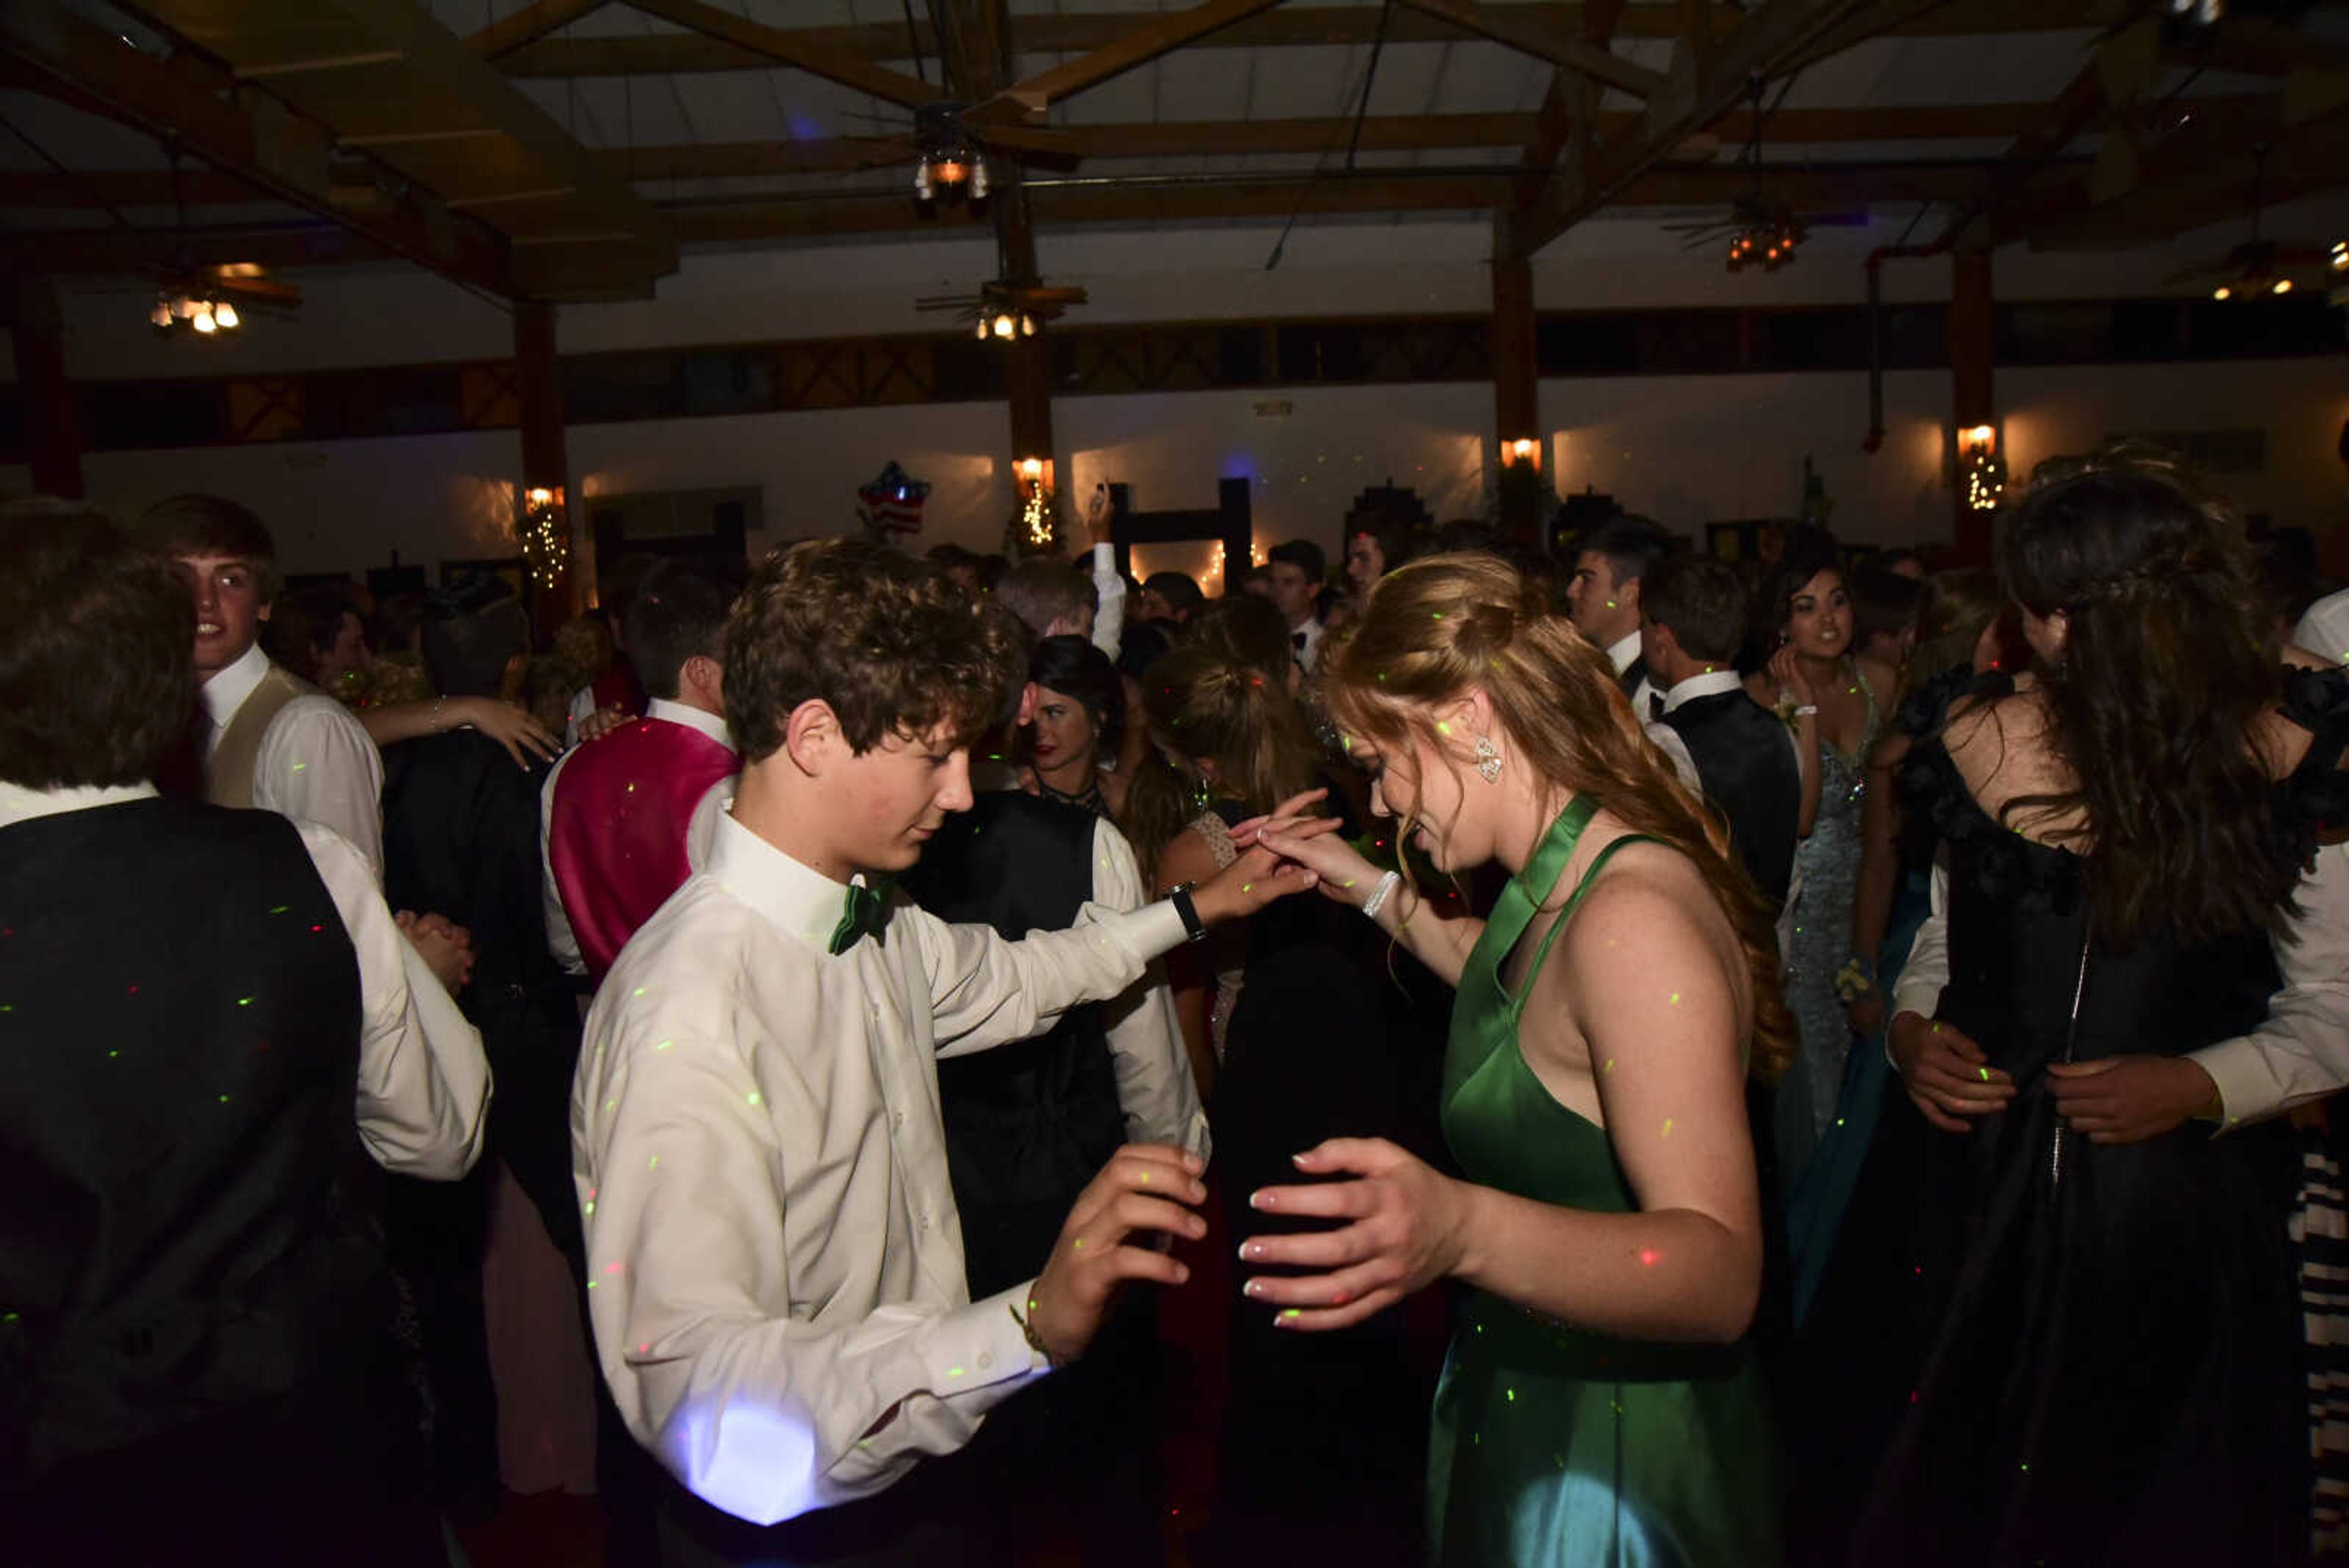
865,911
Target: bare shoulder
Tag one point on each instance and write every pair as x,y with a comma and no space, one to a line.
1647,899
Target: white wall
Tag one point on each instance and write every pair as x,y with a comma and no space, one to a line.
1684,450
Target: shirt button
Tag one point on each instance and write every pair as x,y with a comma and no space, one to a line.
985,1359
897,1118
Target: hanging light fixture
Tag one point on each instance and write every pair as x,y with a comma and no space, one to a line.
224,316
1984,469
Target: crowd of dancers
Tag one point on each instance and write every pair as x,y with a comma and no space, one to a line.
1482,1056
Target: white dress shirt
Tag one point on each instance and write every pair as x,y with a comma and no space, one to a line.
315,762
423,1083
1155,1086
1109,609
561,941
1623,653
2299,1054
1308,653
2324,630
775,1260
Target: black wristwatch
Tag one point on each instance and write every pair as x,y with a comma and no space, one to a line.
1180,897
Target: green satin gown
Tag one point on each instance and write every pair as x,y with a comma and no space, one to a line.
1553,1445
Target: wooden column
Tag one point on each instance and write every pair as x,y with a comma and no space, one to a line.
51,445
1028,385
1971,344
538,384
1516,410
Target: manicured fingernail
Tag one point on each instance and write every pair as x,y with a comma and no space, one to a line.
1182,1274
1291,1316
1251,1251
1260,1200
1253,1288
1298,1160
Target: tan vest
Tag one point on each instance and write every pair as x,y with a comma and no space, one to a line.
228,773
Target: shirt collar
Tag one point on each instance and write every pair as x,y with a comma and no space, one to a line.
692,718
1624,653
20,804
796,899
226,693
1713,683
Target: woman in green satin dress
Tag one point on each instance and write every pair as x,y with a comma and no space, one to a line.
1599,1405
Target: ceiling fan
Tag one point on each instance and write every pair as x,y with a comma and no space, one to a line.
1002,310
2259,267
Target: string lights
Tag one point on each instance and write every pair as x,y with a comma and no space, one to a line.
1983,468
1036,505
545,542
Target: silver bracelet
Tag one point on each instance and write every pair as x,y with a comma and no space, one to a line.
1808,711
1377,900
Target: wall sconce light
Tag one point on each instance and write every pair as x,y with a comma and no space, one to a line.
1526,449
1984,470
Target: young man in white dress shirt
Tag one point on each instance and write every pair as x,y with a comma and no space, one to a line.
196,1006
274,742
777,1275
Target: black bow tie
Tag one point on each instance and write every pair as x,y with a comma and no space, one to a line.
864,911
1655,704
1298,638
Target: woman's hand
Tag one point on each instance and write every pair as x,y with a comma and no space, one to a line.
1946,1073
1787,670
1260,875
1867,1011
1337,867
1407,1228
509,726
603,721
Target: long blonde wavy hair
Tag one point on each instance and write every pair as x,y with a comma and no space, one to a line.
1437,628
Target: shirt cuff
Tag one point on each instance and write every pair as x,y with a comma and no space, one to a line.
998,1346
1146,932
2246,1087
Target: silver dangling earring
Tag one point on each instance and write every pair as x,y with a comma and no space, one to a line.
1488,760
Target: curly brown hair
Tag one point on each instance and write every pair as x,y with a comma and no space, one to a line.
890,644
96,639
1432,631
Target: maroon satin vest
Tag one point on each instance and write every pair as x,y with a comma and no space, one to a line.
615,833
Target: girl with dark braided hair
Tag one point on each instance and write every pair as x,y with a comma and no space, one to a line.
2106,1371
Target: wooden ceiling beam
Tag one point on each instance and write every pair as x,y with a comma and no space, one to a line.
1807,189
528,26
263,144
1707,79
1545,34
1173,138
678,55
2209,172
1136,46
796,46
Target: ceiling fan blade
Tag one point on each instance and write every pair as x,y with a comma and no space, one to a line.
948,302
260,288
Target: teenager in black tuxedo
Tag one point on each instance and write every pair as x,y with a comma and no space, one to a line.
1692,617
209,1031
1604,596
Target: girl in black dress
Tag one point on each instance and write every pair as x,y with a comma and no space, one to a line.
2107,1372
